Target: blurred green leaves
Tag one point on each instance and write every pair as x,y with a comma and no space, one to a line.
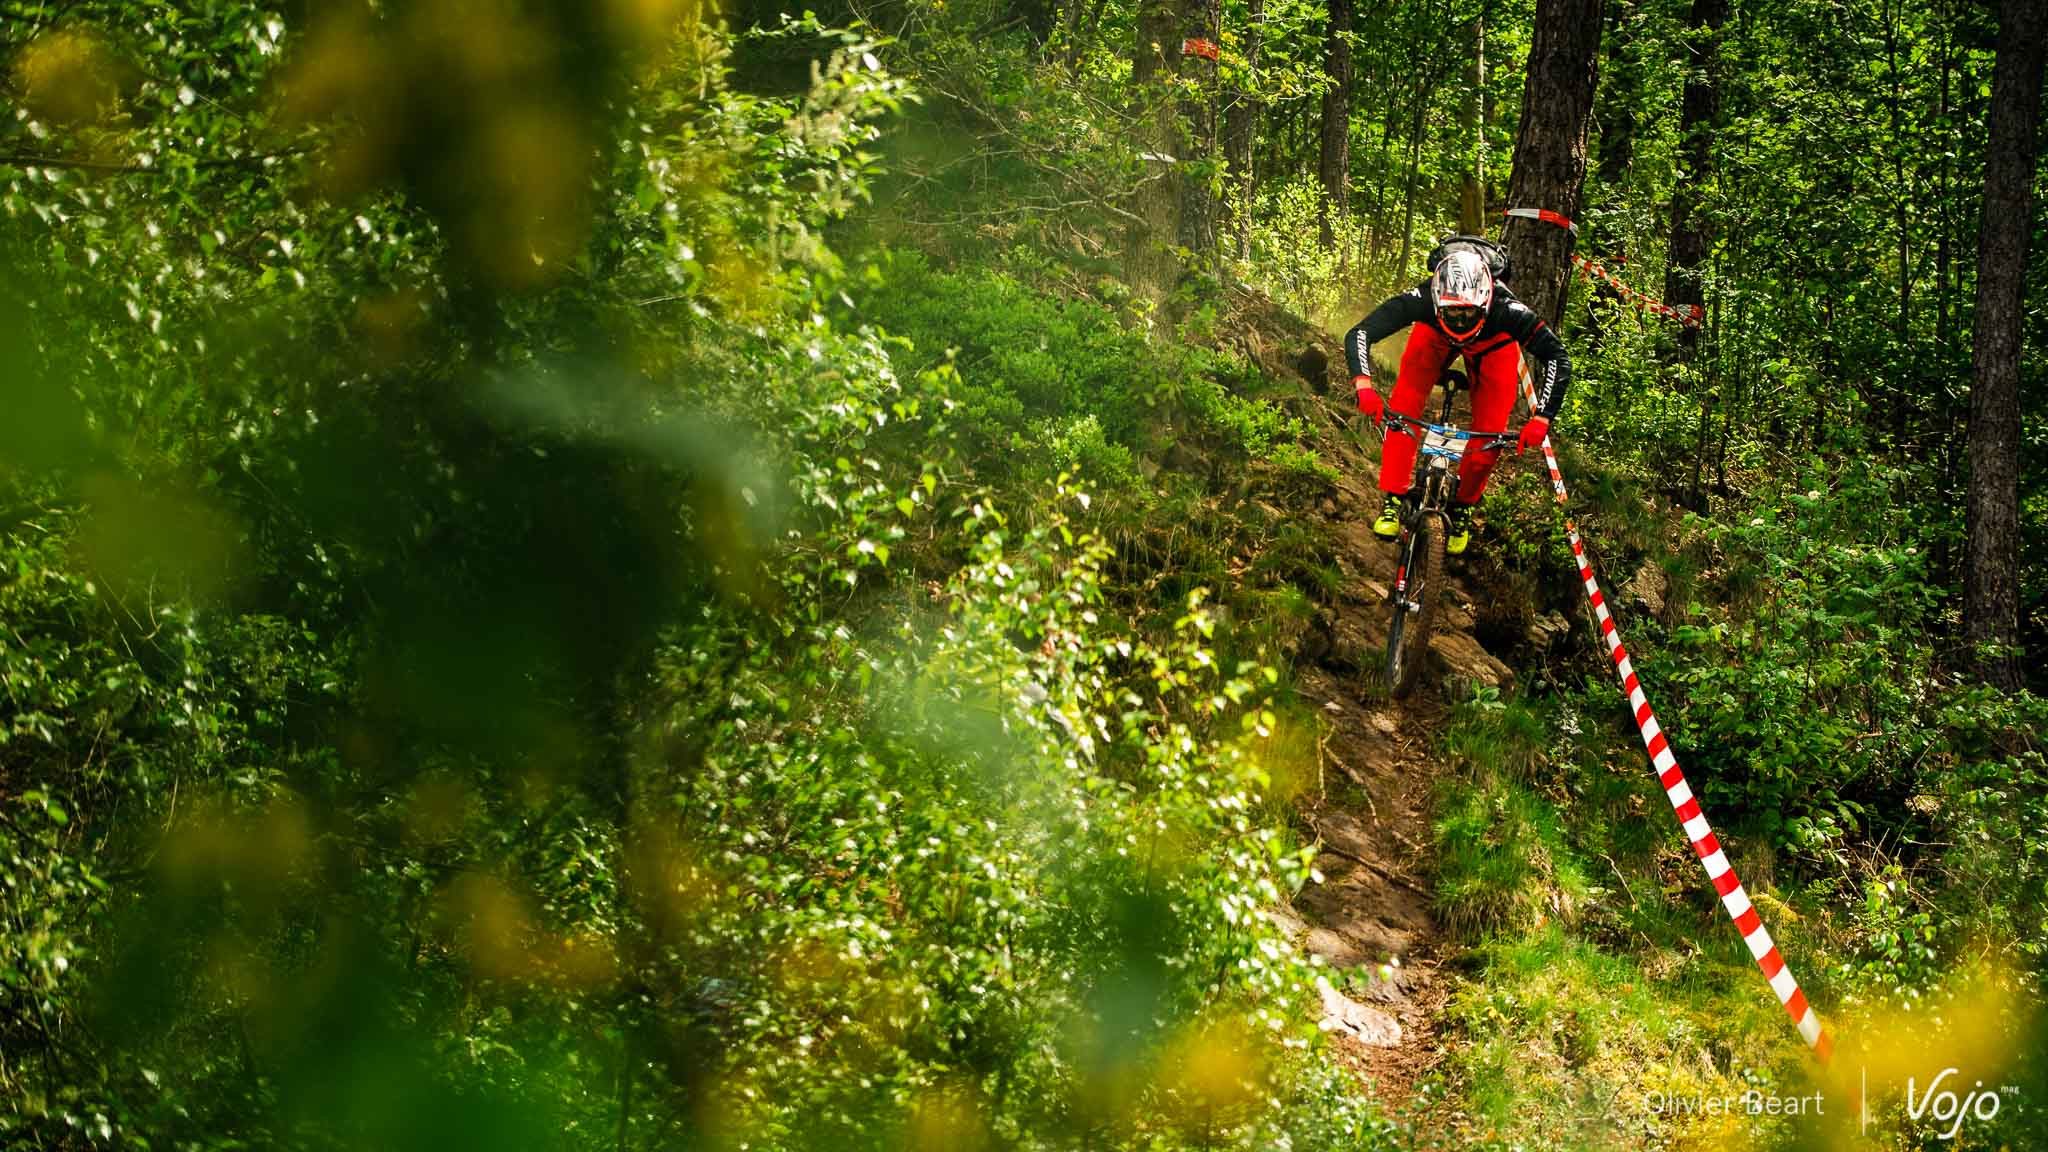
494,656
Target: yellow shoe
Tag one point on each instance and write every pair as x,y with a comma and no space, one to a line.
1460,517
1388,525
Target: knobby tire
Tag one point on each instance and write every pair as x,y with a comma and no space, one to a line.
1408,633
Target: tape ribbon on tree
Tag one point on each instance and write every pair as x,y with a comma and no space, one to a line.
1545,215
1689,316
1720,873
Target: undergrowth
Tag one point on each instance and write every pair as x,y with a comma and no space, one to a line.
1861,792
1053,382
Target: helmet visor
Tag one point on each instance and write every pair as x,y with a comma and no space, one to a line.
1461,319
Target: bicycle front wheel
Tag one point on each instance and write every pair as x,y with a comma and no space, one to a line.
1408,632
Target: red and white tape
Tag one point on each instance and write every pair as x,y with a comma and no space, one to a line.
1689,316
1546,216
1684,804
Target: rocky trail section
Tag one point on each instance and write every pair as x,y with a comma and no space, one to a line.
1371,919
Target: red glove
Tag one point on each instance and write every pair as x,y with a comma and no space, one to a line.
1369,401
1533,433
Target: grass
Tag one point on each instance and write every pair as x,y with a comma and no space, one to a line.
1603,982
1566,1044
1502,866
1502,862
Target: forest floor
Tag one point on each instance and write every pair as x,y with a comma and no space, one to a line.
1553,1032
1372,919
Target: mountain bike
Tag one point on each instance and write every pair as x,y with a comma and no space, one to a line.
1425,525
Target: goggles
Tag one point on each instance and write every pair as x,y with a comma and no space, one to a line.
1461,319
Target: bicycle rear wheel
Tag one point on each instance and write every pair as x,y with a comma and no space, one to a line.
1408,632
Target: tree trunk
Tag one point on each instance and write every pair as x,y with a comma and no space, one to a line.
1697,119
1240,136
1991,606
1039,18
1619,93
1944,246
1550,150
1944,430
1414,169
1150,263
1619,96
1377,226
1084,30
1472,188
1197,124
1906,390
1335,165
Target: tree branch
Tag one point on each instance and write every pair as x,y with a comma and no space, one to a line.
82,164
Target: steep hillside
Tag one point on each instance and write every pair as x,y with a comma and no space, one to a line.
1371,918
600,578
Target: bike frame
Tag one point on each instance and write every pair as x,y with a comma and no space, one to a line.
1435,486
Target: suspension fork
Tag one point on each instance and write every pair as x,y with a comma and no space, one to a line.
1429,501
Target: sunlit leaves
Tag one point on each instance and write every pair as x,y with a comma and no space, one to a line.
67,77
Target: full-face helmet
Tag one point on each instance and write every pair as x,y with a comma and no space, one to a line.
1463,291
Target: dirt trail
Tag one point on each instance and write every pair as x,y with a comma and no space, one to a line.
1371,917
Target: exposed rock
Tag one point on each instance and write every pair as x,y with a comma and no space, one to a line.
1344,831
1646,590
1462,656
1547,631
1335,950
1503,606
1352,648
1372,917
1367,1025
1254,346
1314,365
1317,640
1285,919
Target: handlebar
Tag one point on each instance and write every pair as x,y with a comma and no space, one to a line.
1394,421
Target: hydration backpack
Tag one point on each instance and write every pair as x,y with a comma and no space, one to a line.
1496,257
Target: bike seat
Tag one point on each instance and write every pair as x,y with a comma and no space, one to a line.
1454,379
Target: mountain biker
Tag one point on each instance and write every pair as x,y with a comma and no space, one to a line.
1459,310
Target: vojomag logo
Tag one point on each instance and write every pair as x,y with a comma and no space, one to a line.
1946,1102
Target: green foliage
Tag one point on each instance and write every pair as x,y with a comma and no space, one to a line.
1502,861
1815,689
1024,356
525,659
545,600
1562,1037
1308,276
1062,385
1078,446
1259,429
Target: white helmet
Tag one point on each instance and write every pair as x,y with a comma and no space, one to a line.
1463,288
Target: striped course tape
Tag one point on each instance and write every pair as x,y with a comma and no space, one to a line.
1690,316
1545,215
1687,807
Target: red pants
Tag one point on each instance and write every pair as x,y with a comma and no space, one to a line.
1495,366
